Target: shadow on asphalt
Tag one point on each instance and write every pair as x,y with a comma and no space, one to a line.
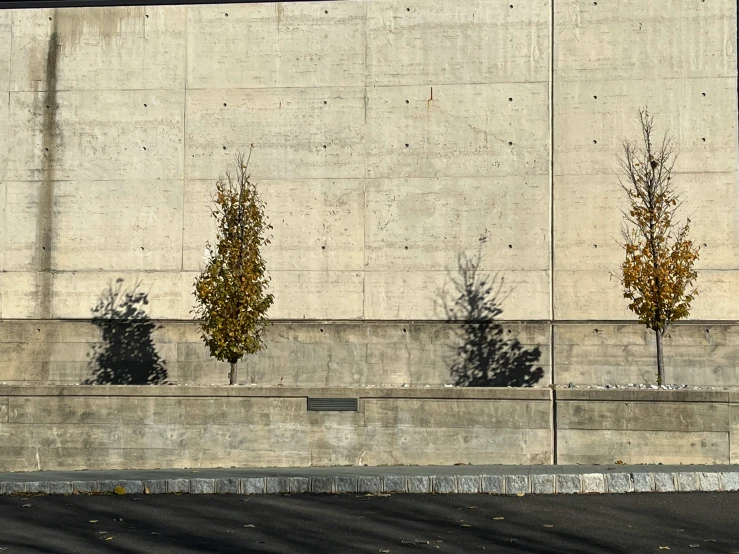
687,522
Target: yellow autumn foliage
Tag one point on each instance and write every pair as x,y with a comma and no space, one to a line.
231,296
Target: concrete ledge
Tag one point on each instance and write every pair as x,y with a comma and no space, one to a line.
643,395
487,393
511,480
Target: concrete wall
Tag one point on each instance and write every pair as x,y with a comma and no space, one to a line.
642,427
47,428
105,427
389,139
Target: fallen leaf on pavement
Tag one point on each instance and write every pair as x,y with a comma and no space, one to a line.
694,545
154,533
147,490
520,494
545,525
466,525
472,507
498,518
93,521
108,538
384,551
664,547
25,506
119,490
249,525
709,540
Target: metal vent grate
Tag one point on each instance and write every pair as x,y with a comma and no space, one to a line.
332,404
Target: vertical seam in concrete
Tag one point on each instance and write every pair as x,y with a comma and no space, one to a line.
728,400
364,176
551,233
184,142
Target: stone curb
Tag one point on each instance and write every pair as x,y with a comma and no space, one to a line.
514,484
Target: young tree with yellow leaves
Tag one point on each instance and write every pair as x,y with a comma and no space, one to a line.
231,296
657,274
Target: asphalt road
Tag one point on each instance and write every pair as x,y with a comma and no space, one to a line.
684,522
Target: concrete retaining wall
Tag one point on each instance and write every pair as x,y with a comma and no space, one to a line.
159,427
104,427
645,427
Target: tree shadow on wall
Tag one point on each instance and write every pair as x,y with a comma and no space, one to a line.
487,355
127,355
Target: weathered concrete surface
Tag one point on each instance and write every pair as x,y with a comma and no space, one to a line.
610,60
608,426
304,354
389,139
245,427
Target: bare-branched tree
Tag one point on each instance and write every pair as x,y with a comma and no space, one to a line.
232,301
657,274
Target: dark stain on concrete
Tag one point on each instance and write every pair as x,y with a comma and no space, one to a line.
45,215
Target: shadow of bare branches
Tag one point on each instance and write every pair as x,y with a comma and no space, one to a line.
127,355
486,356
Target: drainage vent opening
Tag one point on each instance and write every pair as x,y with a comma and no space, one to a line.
332,404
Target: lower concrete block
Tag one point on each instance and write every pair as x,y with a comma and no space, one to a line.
178,485
369,484
59,487
132,487
15,488
85,487
618,482
642,482
664,482
730,480
593,483
107,486
202,486
276,485
322,485
227,485
516,484
568,484
299,484
252,485
420,485
37,487
156,486
346,484
542,484
687,481
394,483
710,482
445,484
468,484
492,484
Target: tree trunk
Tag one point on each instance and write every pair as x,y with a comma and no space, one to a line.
232,374
660,360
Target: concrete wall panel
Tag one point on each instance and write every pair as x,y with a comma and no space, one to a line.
621,42
426,224
421,294
642,447
112,48
447,42
276,45
318,224
457,130
118,226
97,135
297,133
316,294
